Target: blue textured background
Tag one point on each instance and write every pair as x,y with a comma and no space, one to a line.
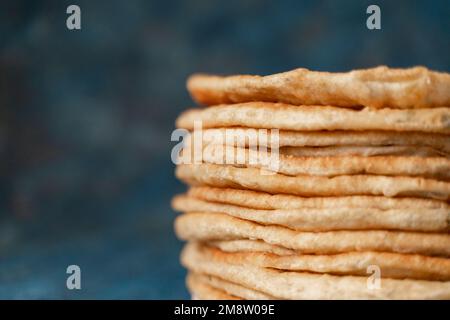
86,117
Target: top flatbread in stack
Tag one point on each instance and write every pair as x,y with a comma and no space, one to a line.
361,182
379,87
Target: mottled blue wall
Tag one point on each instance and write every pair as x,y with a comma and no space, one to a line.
86,117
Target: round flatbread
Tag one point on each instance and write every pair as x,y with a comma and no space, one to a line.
362,151
429,167
378,87
392,265
326,219
313,118
260,180
210,227
301,285
262,137
267,201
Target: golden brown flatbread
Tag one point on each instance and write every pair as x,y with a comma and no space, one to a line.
210,227
255,179
327,219
267,201
363,151
429,167
392,265
241,136
302,285
379,87
315,118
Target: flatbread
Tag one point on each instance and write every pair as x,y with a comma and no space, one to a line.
200,290
326,219
314,118
267,201
245,245
230,288
302,285
378,87
257,139
392,265
369,151
209,227
262,137
255,179
428,167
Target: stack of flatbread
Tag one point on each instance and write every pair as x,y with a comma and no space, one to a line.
357,206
